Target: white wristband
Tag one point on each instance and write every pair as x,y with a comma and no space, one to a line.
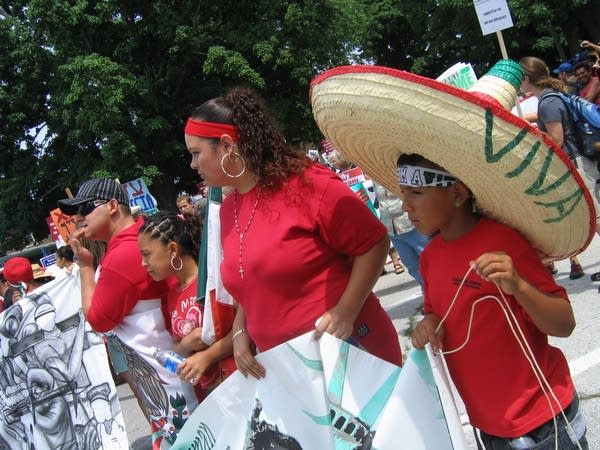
237,333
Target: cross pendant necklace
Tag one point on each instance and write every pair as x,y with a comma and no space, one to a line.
242,234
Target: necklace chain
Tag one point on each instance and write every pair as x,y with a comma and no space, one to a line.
237,225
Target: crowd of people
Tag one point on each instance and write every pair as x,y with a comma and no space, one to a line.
301,252
577,76
579,73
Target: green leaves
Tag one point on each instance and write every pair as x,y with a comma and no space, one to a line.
93,84
232,66
90,88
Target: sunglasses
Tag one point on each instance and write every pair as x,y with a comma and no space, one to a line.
87,207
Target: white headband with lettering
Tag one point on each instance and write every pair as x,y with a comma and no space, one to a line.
416,176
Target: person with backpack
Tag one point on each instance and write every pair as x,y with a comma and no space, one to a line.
554,119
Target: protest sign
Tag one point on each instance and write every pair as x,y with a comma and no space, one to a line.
352,176
493,15
355,179
47,261
326,394
528,104
460,75
56,389
139,195
63,223
327,146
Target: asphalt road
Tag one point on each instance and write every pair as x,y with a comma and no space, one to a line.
401,296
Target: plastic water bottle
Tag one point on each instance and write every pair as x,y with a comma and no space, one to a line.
168,359
523,442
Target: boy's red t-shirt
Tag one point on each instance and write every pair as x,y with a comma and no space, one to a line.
499,389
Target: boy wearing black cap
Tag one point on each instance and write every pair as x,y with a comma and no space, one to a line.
124,299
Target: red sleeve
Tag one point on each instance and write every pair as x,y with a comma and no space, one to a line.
116,294
114,297
345,222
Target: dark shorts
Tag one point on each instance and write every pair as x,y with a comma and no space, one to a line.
543,437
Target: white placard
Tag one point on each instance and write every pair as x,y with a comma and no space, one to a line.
493,15
139,195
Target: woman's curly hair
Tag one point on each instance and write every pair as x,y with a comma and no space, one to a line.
261,143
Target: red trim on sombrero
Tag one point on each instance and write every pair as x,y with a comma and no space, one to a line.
200,128
479,99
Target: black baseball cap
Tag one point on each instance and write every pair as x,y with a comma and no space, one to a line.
94,189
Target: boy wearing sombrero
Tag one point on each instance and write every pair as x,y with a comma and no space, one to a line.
497,194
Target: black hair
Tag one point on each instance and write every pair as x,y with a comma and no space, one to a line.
185,229
587,65
414,159
65,252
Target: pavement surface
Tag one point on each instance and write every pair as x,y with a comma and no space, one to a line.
401,297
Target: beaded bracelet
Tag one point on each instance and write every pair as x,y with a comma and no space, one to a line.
237,333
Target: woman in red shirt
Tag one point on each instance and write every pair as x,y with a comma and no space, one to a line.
299,247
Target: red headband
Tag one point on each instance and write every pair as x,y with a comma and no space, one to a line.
204,129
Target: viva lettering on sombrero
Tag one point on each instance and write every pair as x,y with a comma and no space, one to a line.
423,177
517,174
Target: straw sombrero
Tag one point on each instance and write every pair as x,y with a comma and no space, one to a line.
517,174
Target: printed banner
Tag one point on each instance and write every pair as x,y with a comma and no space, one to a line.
325,394
166,399
139,195
48,261
56,389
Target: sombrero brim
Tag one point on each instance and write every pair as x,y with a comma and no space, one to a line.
518,176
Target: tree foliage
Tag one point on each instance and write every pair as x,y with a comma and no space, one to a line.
428,36
102,88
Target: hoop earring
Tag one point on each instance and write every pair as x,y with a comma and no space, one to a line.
177,269
237,155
